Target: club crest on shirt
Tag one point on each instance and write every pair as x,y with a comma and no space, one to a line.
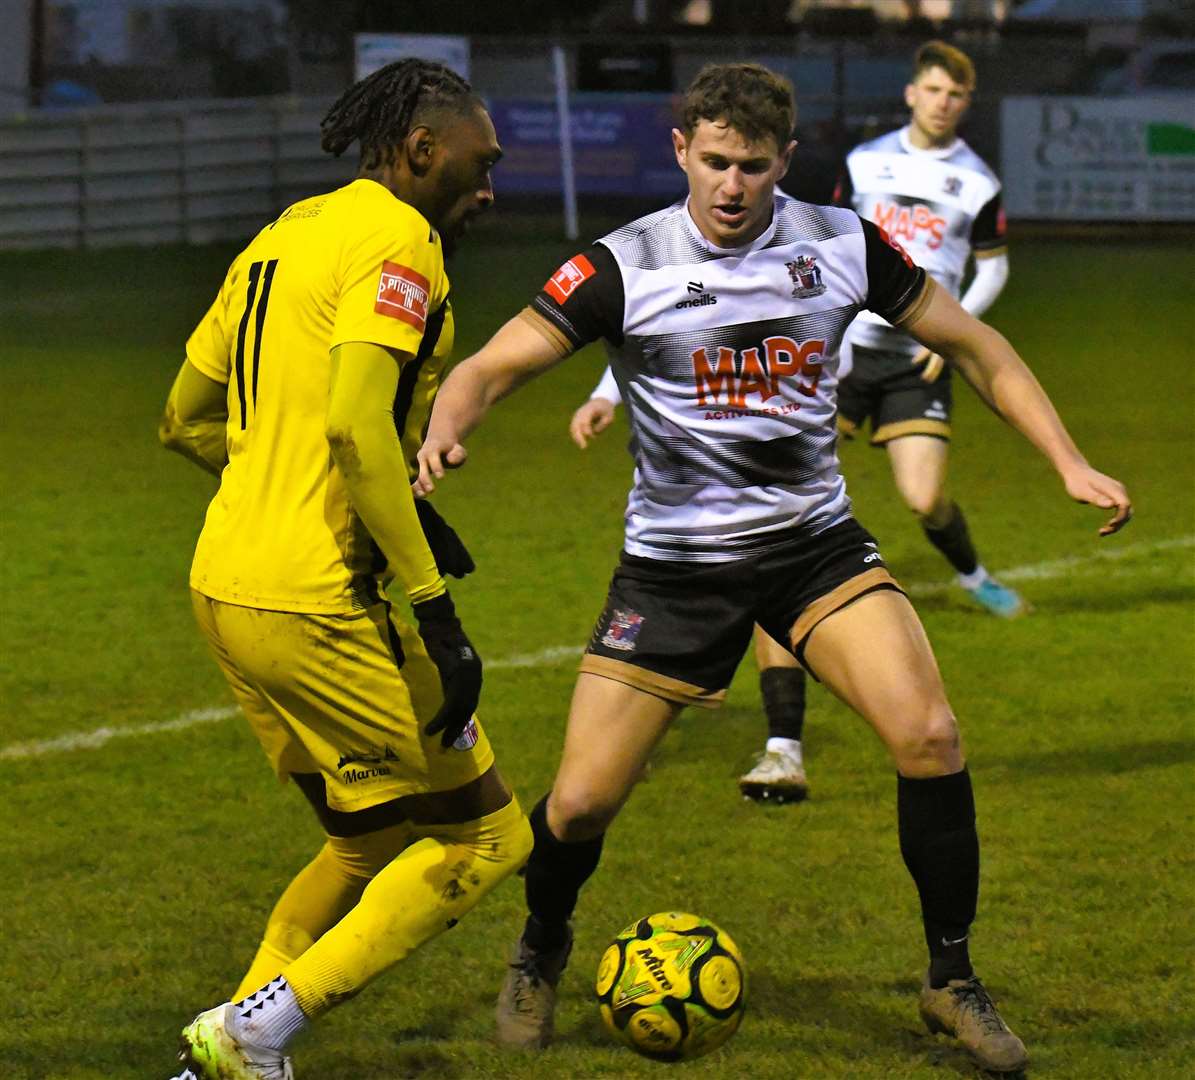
623,631
806,276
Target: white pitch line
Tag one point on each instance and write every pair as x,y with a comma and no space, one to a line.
1056,568
90,740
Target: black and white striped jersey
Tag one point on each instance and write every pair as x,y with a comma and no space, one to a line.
940,205
727,360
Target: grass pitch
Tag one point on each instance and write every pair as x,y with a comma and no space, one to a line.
136,875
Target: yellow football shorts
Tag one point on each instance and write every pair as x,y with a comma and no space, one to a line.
347,696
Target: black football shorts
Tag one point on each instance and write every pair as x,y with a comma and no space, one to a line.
679,629
887,390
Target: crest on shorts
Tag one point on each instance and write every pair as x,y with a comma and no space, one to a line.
467,739
953,185
806,276
623,631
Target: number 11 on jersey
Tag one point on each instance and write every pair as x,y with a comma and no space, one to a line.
260,274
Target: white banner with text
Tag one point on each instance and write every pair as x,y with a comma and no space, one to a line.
1099,159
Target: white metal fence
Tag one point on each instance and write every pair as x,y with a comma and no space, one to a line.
191,173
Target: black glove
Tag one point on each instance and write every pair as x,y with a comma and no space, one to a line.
451,555
457,661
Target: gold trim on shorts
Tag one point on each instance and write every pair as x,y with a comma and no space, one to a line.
898,428
990,253
661,686
851,589
847,428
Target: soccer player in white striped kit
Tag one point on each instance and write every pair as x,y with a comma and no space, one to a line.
930,191
739,514
938,199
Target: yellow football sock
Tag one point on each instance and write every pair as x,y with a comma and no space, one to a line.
318,898
419,894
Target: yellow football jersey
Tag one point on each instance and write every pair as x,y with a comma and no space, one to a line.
355,265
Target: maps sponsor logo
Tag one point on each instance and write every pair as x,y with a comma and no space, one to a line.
726,376
403,294
917,224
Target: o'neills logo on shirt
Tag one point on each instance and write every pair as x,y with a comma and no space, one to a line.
574,273
726,376
403,294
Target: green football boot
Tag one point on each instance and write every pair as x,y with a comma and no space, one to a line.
209,1051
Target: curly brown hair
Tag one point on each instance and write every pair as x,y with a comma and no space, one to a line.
750,98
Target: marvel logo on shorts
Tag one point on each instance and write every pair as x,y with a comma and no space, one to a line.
402,294
574,273
623,630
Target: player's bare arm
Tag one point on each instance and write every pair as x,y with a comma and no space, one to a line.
193,422
991,274
1002,379
522,349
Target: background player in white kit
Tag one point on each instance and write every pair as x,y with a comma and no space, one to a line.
937,198
739,515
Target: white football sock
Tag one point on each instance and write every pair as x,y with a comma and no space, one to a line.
268,1018
789,747
974,579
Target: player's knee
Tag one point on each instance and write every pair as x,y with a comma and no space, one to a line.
932,746
499,847
516,842
580,813
285,942
924,502
361,858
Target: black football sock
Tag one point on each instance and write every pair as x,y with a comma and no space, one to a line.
783,691
555,873
954,541
941,849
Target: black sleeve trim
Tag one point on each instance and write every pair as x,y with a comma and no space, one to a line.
894,282
988,230
584,298
556,320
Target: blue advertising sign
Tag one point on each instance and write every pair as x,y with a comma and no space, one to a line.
621,145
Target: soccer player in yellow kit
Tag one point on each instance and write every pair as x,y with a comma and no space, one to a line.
306,388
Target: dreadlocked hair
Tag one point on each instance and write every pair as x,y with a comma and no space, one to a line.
380,110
